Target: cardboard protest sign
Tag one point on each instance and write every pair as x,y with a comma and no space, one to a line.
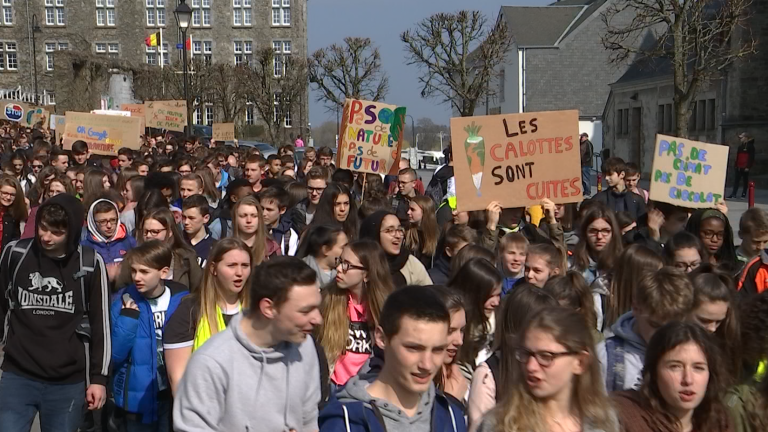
58,122
688,173
136,110
223,132
104,134
112,112
35,115
169,115
371,136
516,159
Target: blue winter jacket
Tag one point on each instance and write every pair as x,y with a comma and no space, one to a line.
113,251
134,351
446,417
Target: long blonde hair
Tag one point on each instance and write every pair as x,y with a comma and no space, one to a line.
258,250
430,233
332,334
210,294
518,410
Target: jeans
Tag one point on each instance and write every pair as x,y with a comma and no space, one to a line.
61,406
741,173
586,178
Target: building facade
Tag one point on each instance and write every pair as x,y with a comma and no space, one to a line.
220,31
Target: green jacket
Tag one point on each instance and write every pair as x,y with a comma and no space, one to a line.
740,401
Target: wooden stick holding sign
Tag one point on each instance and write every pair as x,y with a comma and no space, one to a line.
688,173
516,159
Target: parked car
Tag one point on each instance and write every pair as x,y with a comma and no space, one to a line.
265,149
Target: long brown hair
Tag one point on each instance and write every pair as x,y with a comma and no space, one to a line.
259,248
427,242
633,263
518,410
210,294
17,209
165,217
609,254
333,332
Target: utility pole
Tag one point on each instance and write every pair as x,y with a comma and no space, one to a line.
441,135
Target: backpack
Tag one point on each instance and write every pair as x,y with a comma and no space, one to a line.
19,250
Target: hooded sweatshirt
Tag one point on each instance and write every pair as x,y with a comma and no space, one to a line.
358,410
622,355
230,384
49,309
113,249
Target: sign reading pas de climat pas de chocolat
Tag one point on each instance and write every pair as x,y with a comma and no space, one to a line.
104,134
370,137
688,173
516,159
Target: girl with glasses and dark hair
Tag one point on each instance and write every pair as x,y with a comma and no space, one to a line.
557,385
715,232
351,307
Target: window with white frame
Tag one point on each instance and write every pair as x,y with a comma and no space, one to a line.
7,12
281,106
114,49
50,48
202,50
208,115
281,12
243,52
155,13
241,12
105,13
101,47
196,116
201,13
153,55
54,12
8,57
288,120
49,98
282,52
249,115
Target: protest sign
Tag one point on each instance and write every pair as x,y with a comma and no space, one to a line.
169,115
688,173
223,132
58,122
516,159
371,136
136,110
104,134
35,115
112,112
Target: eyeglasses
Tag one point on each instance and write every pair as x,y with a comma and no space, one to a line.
346,265
543,358
8,194
709,235
592,232
37,166
394,232
686,267
153,232
106,222
315,190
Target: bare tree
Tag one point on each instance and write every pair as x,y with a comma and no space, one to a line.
349,70
458,55
275,86
225,90
700,38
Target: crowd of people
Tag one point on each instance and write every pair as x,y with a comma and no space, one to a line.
190,287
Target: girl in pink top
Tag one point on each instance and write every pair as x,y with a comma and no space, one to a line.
351,306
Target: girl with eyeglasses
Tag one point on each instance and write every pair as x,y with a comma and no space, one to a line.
682,386
715,232
158,224
13,209
351,306
384,228
556,386
321,247
223,294
685,252
599,244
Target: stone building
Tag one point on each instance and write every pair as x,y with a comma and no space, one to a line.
220,31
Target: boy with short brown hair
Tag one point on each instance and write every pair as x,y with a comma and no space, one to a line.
753,231
513,248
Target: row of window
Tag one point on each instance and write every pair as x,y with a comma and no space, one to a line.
703,118
206,115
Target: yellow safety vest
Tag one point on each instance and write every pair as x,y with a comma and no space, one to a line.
203,332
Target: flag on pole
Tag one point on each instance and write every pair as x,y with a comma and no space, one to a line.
153,40
188,43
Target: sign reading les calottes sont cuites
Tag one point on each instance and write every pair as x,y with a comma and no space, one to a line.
516,159
104,134
688,173
370,137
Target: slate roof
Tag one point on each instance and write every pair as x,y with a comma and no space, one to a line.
539,26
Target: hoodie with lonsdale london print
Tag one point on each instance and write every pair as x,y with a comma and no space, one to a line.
42,343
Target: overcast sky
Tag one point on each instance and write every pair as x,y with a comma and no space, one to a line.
332,20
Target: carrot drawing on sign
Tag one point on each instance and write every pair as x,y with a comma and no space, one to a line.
474,146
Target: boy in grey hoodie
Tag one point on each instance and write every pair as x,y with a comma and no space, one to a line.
262,372
658,298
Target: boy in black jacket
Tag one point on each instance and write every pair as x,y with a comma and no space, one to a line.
57,331
617,197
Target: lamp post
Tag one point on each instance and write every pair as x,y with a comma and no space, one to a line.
183,14
413,137
35,29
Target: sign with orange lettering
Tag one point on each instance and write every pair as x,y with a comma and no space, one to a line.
516,159
104,134
136,110
168,115
370,137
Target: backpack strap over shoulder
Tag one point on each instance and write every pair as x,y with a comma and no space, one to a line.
87,258
18,251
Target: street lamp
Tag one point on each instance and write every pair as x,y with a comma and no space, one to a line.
183,14
413,136
35,29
